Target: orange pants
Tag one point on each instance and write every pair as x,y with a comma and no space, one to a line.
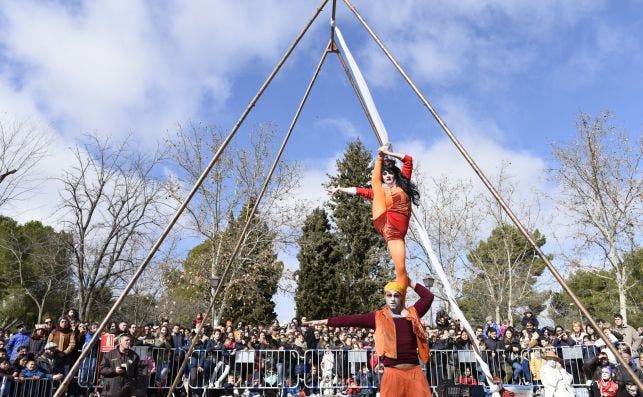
404,382
396,247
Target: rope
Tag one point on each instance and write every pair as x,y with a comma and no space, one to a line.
382,136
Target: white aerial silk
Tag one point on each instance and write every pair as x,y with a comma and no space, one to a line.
419,226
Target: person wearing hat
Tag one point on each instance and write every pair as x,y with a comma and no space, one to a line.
17,340
47,362
38,340
556,381
399,336
489,325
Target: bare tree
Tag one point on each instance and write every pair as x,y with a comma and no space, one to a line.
22,146
601,190
234,181
452,212
112,204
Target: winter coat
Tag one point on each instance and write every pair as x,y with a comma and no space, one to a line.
15,342
65,340
119,385
556,382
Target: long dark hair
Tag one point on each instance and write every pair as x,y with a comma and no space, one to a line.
404,183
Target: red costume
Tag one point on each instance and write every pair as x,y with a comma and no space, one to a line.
391,213
394,223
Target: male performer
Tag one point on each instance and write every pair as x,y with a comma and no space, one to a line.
399,335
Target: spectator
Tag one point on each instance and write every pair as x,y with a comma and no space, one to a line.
605,385
621,375
492,342
631,390
122,328
589,330
442,320
72,315
509,338
593,367
577,333
489,325
162,339
63,337
17,340
47,361
176,337
48,323
556,381
38,340
31,371
467,378
607,330
630,336
463,342
529,316
119,368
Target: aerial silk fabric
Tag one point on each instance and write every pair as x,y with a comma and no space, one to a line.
418,225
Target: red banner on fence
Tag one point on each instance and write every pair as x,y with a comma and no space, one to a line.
107,343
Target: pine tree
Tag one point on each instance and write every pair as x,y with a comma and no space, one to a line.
364,268
319,258
252,279
504,268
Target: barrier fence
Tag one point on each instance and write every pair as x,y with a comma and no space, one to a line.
317,372
25,388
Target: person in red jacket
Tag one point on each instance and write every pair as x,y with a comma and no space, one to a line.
392,193
399,337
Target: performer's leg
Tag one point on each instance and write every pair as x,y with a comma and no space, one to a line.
397,248
379,198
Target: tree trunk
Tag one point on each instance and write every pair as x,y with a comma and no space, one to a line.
622,299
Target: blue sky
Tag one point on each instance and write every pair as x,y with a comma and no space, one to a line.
508,77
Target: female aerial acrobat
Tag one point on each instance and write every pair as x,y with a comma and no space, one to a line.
392,193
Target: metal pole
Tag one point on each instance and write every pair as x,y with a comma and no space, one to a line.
495,194
241,239
65,384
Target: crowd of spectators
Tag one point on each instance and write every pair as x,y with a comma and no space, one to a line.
511,351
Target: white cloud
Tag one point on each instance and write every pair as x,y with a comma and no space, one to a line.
119,66
480,42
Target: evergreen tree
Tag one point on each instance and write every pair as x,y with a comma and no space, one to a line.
504,269
364,268
319,258
252,278
35,271
598,292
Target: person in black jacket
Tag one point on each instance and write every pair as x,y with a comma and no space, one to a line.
119,368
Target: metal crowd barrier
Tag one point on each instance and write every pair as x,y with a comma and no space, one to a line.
327,372
26,387
246,369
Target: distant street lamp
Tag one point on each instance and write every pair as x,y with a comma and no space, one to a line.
428,281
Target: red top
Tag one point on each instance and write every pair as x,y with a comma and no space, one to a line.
406,342
407,170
